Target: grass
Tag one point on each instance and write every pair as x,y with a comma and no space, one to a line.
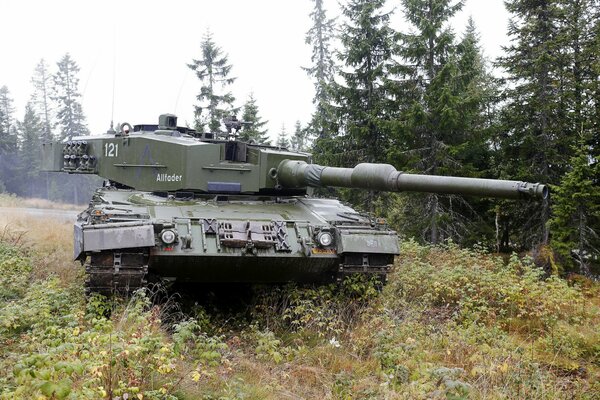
450,324
10,200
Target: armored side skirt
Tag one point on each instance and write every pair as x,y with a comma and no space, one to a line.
117,236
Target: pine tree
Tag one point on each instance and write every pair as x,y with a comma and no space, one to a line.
593,50
322,70
575,224
8,139
213,70
8,143
446,122
545,101
363,97
66,96
41,81
255,131
282,138
367,52
576,212
30,131
299,141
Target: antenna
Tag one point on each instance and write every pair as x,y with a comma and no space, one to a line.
111,130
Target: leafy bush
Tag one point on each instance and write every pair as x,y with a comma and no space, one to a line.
325,310
477,288
15,274
451,323
513,332
76,357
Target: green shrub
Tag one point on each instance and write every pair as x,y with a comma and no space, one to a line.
15,274
472,287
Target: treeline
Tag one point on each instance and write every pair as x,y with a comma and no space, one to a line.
415,94
53,112
425,99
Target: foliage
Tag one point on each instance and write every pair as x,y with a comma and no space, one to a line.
464,324
576,220
299,141
549,99
213,71
40,98
451,323
255,131
14,273
446,130
65,92
322,124
8,140
189,339
55,101
30,134
282,138
476,289
56,346
324,310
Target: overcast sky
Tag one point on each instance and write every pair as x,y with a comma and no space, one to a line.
149,43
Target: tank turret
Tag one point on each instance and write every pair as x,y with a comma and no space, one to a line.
185,206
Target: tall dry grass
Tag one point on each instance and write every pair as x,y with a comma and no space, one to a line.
10,200
50,236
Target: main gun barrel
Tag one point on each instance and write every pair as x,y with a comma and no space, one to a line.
384,177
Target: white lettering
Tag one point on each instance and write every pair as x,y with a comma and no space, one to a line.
168,178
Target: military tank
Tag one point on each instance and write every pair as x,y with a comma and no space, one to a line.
188,207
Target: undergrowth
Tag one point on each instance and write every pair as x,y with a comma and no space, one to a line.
450,324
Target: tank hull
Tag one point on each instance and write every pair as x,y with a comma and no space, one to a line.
126,237
244,269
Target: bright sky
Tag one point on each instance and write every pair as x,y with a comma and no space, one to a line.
148,44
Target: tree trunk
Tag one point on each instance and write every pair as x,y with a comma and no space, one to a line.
434,224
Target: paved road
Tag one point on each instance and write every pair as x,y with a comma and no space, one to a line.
64,215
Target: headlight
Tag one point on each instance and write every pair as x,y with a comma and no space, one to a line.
168,236
325,239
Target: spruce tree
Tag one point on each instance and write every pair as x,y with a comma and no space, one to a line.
299,141
30,131
575,224
255,131
8,139
41,81
65,94
362,97
368,44
593,49
282,138
8,143
214,101
446,123
546,101
322,70
576,213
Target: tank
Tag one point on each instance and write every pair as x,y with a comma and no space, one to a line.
188,207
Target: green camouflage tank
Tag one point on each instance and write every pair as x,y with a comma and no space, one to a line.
192,207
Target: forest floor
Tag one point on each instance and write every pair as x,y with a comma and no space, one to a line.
450,324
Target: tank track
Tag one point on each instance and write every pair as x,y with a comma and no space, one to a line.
116,272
